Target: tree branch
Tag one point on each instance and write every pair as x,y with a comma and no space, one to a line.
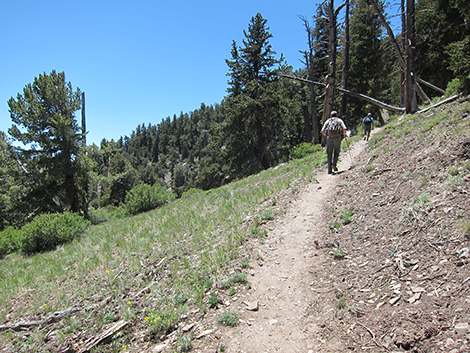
353,94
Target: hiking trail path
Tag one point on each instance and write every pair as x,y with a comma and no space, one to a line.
287,278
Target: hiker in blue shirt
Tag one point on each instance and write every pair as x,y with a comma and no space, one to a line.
334,129
367,125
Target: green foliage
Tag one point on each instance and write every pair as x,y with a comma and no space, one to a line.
47,231
8,241
145,197
54,173
346,214
370,66
454,87
253,108
185,342
338,253
438,25
303,149
213,300
162,321
228,318
459,53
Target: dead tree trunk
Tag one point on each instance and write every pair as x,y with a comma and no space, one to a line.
403,62
344,83
83,120
403,44
311,110
306,115
411,104
330,77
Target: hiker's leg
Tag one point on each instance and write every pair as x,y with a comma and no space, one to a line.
329,153
337,146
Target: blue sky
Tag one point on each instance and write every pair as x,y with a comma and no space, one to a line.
137,61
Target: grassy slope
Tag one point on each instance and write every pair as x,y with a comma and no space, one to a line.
177,252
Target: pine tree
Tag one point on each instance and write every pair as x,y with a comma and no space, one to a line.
366,65
252,109
45,124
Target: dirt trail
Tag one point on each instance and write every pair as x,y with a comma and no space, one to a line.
284,278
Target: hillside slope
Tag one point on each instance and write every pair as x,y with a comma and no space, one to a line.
374,259
386,267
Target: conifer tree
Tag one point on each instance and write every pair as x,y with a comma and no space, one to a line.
45,124
252,108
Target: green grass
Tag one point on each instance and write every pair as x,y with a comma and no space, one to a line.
228,318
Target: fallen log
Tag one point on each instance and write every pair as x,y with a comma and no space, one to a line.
104,336
54,317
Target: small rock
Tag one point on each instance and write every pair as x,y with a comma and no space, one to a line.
273,322
252,306
450,343
414,298
188,327
393,301
418,289
159,348
462,328
203,334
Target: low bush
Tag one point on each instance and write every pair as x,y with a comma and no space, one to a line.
8,241
49,230
144,197
304,149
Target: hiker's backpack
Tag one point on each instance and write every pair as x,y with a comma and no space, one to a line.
334,128
368,119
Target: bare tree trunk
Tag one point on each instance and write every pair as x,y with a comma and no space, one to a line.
400,57
411,104
83,120
313,122
330,77
403,45
344,83
306,115
316,126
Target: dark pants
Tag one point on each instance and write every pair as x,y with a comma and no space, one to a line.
333,146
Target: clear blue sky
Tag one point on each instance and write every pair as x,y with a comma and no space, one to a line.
137,61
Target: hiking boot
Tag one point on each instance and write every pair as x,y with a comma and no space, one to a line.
335,168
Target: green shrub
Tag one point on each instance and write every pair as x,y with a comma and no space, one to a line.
454,87
144,197
304,149
48,230
162,321
8,241
228,318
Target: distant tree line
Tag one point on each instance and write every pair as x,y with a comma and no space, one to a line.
47,167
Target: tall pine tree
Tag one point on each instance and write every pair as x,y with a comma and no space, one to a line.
44,120
253,115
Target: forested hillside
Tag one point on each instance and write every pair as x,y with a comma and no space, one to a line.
350,49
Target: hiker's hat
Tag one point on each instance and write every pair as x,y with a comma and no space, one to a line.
334,113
